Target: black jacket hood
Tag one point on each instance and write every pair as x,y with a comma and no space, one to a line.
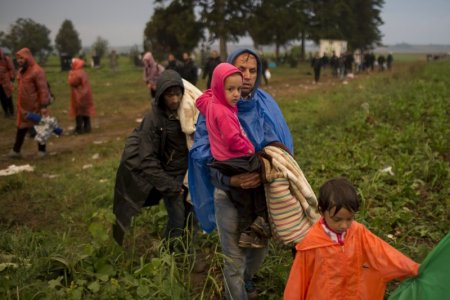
167,79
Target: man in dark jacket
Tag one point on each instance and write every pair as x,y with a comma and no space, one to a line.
210,65
173,63
389,60
316,64
154,163
334,64
189,69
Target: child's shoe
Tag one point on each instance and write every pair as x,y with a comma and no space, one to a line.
252,291
250,239
261,227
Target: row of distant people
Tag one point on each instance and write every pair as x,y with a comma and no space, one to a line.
349,63
436,56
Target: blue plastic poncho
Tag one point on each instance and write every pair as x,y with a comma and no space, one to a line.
263,122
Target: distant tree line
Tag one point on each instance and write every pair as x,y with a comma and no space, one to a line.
181,25
267,22
27,33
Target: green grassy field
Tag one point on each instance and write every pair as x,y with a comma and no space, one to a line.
55,222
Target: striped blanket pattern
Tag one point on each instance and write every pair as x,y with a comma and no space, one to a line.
291,202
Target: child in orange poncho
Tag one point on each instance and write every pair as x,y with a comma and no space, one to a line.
340,258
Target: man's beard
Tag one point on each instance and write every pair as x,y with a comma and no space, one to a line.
245,95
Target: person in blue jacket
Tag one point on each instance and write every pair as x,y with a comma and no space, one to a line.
263,122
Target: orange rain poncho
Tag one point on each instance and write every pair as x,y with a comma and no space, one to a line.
32,89
359,269
81,102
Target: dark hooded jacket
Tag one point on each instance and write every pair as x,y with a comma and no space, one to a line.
154,158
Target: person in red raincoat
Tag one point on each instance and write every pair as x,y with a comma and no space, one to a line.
340,258
81,102
7,74
32,96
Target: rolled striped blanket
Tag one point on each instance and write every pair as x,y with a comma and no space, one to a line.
291,202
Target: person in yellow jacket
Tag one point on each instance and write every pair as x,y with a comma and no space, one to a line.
340,258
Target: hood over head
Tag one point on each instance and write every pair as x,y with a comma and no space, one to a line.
167,79
233,55
148,58
26,54
221,72
77,63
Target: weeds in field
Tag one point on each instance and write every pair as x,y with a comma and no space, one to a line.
387,133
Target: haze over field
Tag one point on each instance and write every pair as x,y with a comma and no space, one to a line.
122,23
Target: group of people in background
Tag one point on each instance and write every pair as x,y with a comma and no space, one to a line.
152,69
34,97
350,62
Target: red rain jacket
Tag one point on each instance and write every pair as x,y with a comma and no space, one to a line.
32,90
7,73
81,102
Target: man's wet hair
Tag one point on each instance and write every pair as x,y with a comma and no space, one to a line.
247,58
339,193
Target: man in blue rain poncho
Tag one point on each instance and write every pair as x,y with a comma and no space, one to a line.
263,122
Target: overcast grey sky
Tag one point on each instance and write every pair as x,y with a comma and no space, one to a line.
122,22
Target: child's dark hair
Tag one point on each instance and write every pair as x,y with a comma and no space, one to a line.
339,193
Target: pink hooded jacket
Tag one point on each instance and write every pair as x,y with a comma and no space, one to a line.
152,69
226,136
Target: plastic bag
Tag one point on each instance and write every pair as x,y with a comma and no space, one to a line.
433,281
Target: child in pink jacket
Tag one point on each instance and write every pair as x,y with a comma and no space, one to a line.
233,151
